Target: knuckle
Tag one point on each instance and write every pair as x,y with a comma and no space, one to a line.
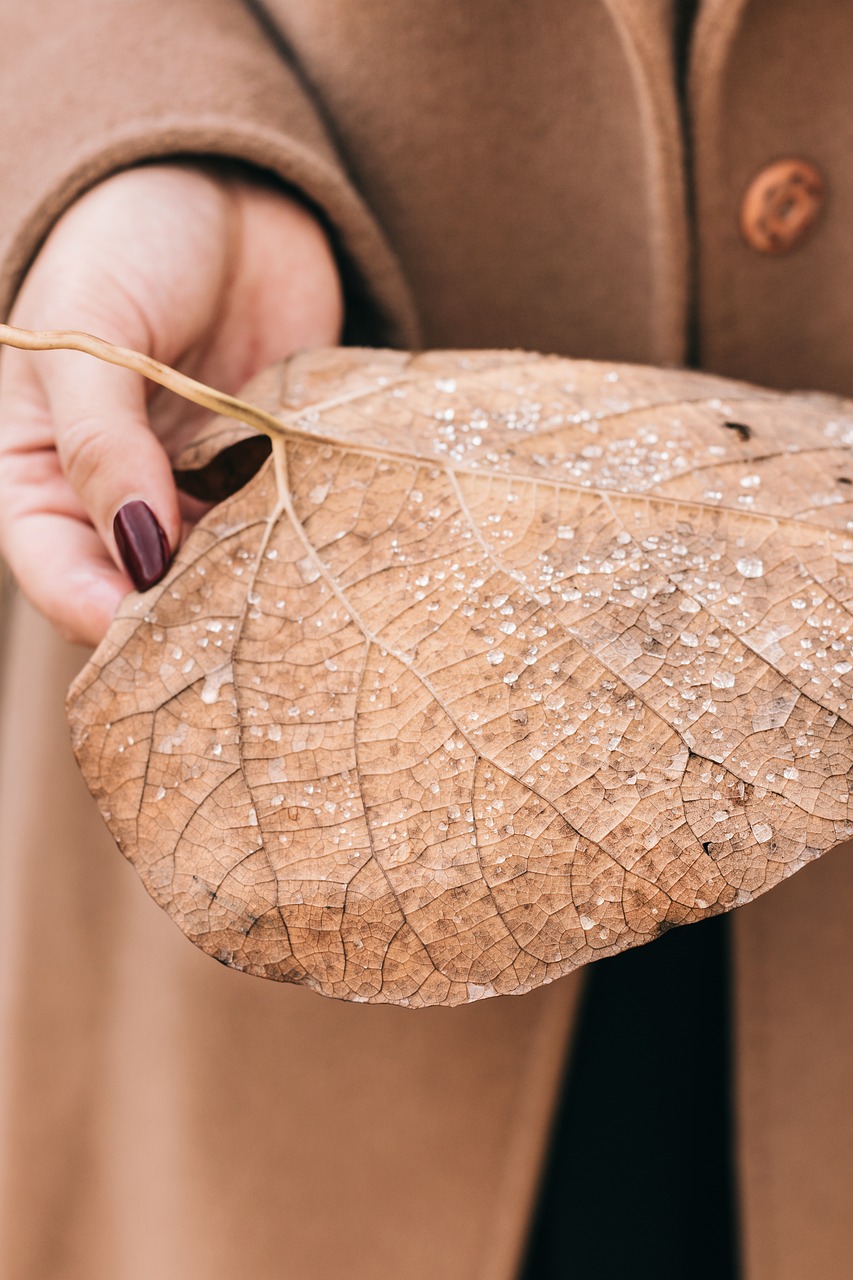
68,628
83,451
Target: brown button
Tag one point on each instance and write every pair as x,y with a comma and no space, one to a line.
781,205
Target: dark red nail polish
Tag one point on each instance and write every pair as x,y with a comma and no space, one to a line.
142,544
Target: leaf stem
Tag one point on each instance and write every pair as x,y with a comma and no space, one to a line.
198,392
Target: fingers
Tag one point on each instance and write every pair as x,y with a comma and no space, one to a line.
114,462
79,465
140,261
48,541
64,570
215,276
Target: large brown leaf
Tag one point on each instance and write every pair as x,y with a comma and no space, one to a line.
500,664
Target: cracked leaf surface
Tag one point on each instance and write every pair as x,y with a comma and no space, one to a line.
499,664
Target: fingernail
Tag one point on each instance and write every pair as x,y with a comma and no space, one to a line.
142,544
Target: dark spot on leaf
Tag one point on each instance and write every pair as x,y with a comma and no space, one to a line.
205,888
844,480
741,428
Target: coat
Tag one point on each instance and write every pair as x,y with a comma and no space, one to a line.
492,174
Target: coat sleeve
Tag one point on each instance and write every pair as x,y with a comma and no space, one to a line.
88,88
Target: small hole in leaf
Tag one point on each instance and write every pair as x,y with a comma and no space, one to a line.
844,480
227,472
741,428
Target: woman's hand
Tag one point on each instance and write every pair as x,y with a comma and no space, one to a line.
209,271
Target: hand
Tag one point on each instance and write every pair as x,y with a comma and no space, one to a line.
210,271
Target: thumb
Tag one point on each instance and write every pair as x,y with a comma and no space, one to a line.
114,462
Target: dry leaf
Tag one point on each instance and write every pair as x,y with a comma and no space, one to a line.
500,664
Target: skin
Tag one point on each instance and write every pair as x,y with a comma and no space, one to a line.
206,268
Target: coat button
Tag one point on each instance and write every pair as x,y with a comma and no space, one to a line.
781,205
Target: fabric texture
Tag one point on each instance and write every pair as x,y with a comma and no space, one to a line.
105,86
163,1116
492,174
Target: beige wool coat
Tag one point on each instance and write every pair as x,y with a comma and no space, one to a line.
493,173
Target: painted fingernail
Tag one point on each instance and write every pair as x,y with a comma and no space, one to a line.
142,544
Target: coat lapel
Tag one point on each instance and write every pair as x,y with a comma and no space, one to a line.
645,31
